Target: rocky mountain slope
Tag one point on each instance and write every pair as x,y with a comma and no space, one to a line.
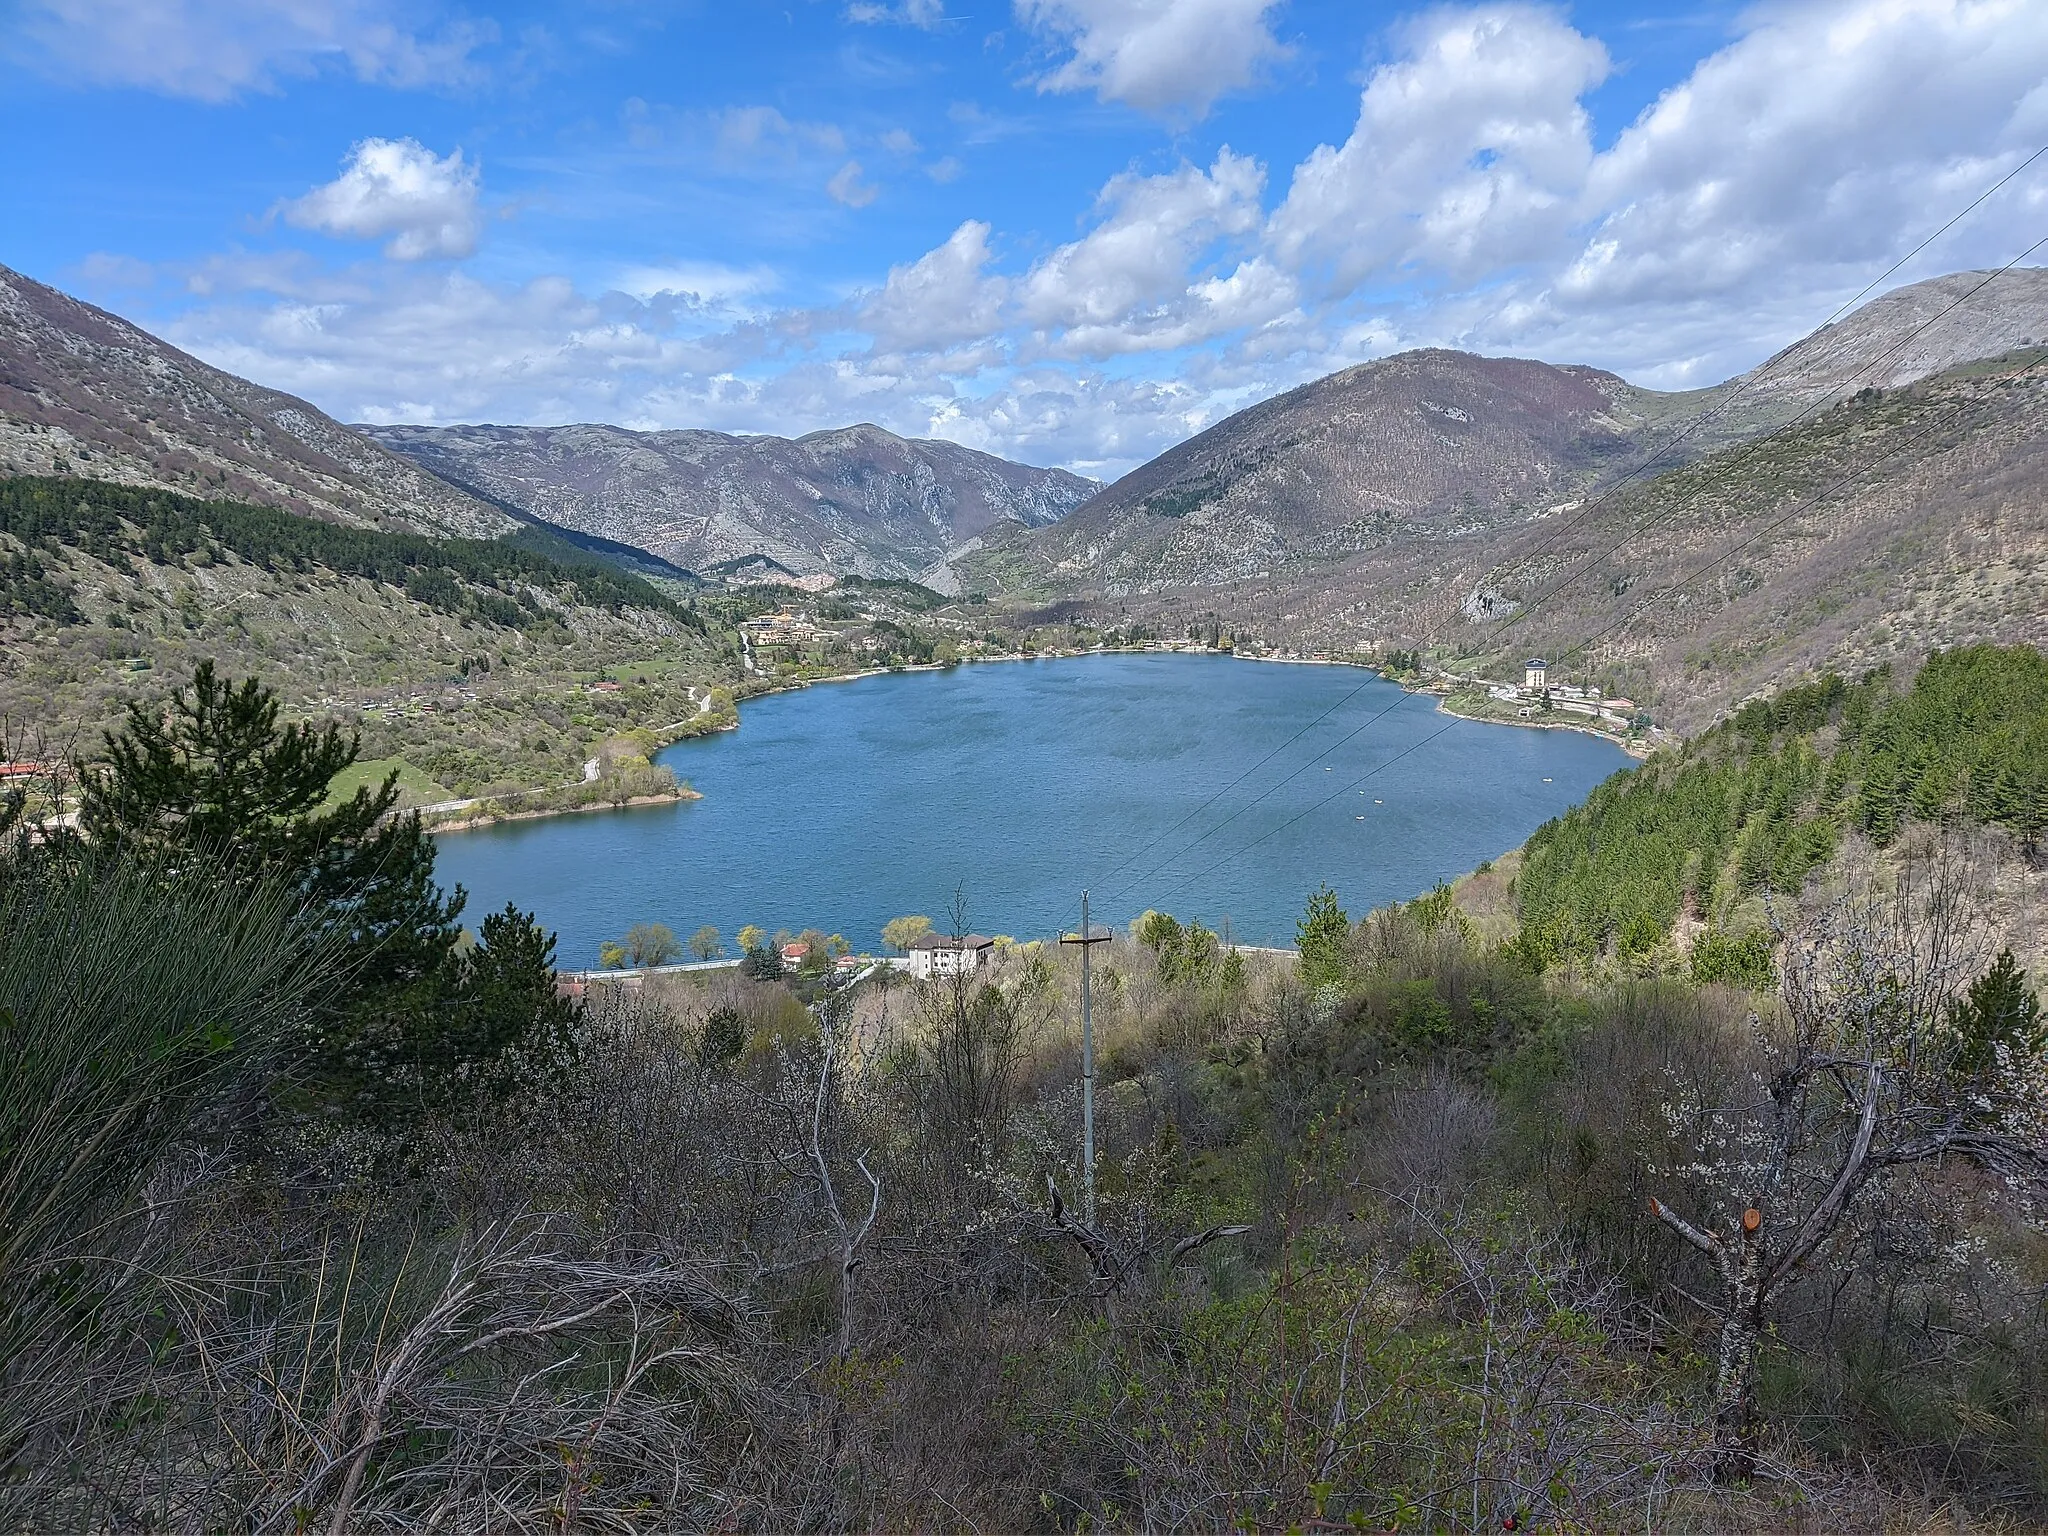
1423,444
84,391
858,500
1908,334
1434,445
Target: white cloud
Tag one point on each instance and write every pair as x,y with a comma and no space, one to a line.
1132,271
1172,58
1467,207
1470,152
426,203
941,298
847,189
1829,136
706,283
107,269
747,135
214,50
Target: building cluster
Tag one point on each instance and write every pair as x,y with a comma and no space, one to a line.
950,954
1537,689
786,629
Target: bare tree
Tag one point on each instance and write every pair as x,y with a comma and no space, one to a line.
1868,1071
848,1232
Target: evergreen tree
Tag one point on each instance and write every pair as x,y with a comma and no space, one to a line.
724,1037
217,774
1999,1010
1324,938
499,1015
217,781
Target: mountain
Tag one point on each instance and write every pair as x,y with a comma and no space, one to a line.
857,500
1426,444
1897,522
1892,524
84,391
1434,445
1910,333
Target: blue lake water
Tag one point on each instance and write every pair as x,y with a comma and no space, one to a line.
846,804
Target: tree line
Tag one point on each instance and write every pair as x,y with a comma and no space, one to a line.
487,579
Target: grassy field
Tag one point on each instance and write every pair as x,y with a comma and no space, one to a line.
414,787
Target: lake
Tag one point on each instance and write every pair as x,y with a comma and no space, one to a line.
1015,784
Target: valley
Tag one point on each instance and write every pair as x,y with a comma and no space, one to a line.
1869,494
1078,766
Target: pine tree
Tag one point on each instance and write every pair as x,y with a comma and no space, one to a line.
1999,1010
1324,938
217,775
216,783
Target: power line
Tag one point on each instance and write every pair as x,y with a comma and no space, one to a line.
1817,408
1145,848
1405,695
1776,523
1334,794
1756,377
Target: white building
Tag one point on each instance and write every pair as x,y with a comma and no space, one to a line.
945,954
1535,674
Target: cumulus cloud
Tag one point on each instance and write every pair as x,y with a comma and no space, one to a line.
425,202
943,297
214,50
1130,275
1470,153
1171,58
1467,206
1825,136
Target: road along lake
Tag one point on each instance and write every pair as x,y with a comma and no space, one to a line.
1209,787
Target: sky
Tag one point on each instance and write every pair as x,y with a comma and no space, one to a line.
1072,232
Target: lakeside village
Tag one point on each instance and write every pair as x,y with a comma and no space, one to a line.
810,963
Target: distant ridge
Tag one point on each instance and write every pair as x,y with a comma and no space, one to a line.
1961,316
1436,444
855,500
85,392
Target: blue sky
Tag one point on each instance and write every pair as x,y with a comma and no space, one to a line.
1070,231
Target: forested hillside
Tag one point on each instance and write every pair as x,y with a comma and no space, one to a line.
484,578
473,664
1761,802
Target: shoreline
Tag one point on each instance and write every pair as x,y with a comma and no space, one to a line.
1640,752
471,823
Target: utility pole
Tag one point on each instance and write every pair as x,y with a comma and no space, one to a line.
1087,938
